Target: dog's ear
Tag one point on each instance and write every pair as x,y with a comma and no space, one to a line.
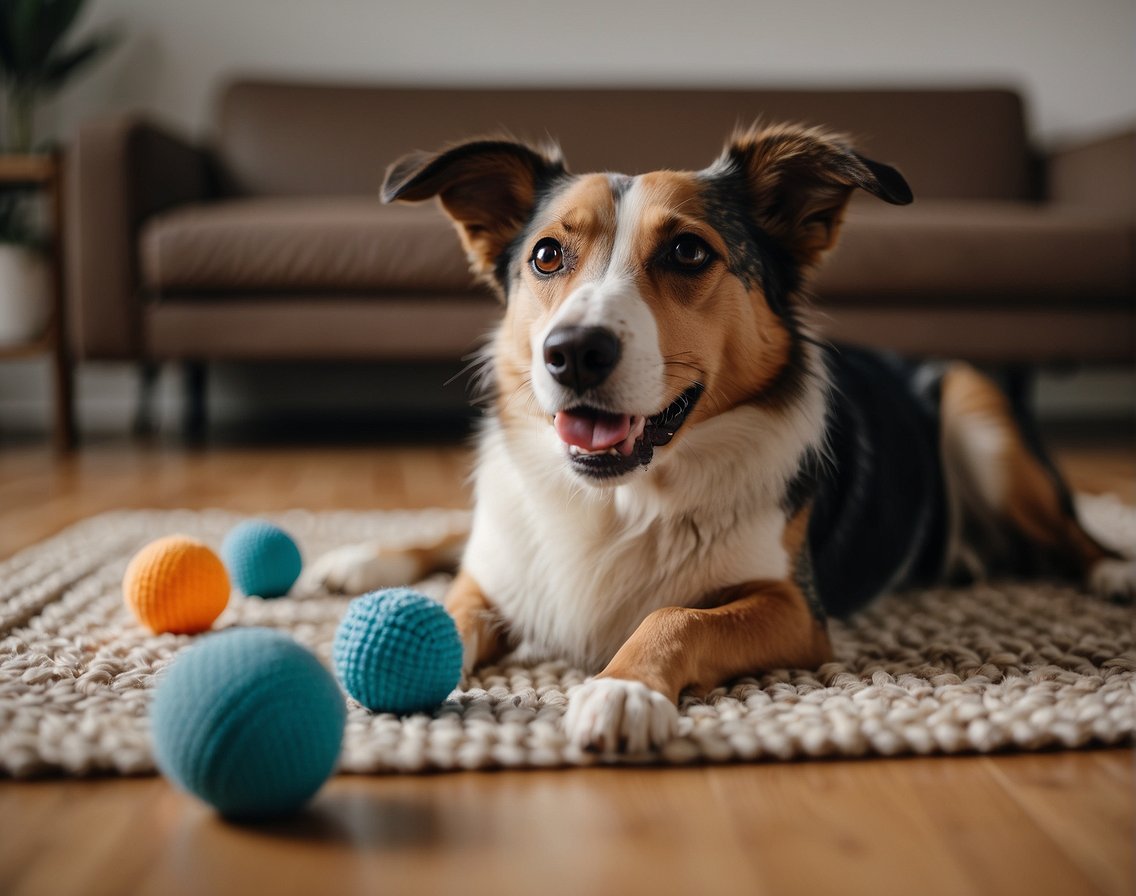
488,187
799,181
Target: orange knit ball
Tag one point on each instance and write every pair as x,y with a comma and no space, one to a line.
176,584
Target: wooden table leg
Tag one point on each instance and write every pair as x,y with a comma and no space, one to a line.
64,397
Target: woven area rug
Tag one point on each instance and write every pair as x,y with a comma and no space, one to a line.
1001,666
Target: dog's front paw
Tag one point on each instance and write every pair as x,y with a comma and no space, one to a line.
608,714
359,568
1114,579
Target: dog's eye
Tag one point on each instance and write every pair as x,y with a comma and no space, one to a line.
689,253
547,256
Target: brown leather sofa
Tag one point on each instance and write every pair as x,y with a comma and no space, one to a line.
269,243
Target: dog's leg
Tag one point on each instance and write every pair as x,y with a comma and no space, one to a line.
358,568
997,483
631,703
484,634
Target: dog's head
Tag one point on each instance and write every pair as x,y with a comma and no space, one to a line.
637,307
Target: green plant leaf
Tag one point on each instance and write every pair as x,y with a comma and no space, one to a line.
63,65
55,18
22,25
7,49
30,30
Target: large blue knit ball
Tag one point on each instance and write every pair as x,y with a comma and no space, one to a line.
249,721
262,558
397,651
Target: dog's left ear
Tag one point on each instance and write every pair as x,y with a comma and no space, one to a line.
488,187
799,181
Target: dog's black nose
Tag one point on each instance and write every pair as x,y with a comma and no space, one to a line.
581,357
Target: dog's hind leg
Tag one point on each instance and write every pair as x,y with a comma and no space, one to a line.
1008,504
358,568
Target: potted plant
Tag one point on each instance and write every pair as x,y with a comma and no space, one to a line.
35,63
24,290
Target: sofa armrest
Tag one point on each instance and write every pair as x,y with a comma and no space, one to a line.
120,170
1100,173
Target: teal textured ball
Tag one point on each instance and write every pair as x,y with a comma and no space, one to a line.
397,651
262,558
248,721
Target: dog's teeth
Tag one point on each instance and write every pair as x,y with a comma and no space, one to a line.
577,451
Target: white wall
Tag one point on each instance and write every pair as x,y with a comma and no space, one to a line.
1075,59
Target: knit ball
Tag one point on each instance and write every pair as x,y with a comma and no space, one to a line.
262,558
397,651
248,721
176,584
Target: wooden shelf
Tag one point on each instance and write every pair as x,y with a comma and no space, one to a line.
44,171
28,169
44,345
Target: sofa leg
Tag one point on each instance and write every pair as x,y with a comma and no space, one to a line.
194,416
1020,381
144,423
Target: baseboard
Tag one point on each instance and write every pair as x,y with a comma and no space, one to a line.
362,399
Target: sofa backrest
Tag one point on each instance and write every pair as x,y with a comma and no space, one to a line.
307,139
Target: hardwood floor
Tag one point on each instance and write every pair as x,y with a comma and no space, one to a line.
40,494
1056,823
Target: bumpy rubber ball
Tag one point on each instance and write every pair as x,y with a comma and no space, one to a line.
397,651
176,584
262,558
248,721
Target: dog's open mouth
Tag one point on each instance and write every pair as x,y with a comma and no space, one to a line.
602,444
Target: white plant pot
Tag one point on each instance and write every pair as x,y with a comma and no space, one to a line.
25,296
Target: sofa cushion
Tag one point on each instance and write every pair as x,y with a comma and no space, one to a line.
999,253
302,245
945,252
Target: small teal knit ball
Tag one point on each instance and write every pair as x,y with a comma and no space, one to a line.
397,651
262,558
248,721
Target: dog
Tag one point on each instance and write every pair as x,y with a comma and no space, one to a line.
677,482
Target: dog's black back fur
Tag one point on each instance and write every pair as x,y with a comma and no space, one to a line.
879,517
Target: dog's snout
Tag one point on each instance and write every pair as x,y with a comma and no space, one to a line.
581,357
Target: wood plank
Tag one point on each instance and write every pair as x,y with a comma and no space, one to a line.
933,826
1100,470
41,494
1085,808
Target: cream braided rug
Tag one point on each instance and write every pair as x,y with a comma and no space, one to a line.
1004,666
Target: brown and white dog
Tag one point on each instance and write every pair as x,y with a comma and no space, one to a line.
676,482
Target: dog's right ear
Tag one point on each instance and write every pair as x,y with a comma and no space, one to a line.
488,187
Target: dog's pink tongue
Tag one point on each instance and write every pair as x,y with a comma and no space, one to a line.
592,433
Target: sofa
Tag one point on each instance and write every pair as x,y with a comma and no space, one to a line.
267,240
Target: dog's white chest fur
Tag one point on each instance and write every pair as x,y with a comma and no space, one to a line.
574,570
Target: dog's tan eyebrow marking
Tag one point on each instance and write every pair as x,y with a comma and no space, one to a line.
587,207
577,219
582,217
